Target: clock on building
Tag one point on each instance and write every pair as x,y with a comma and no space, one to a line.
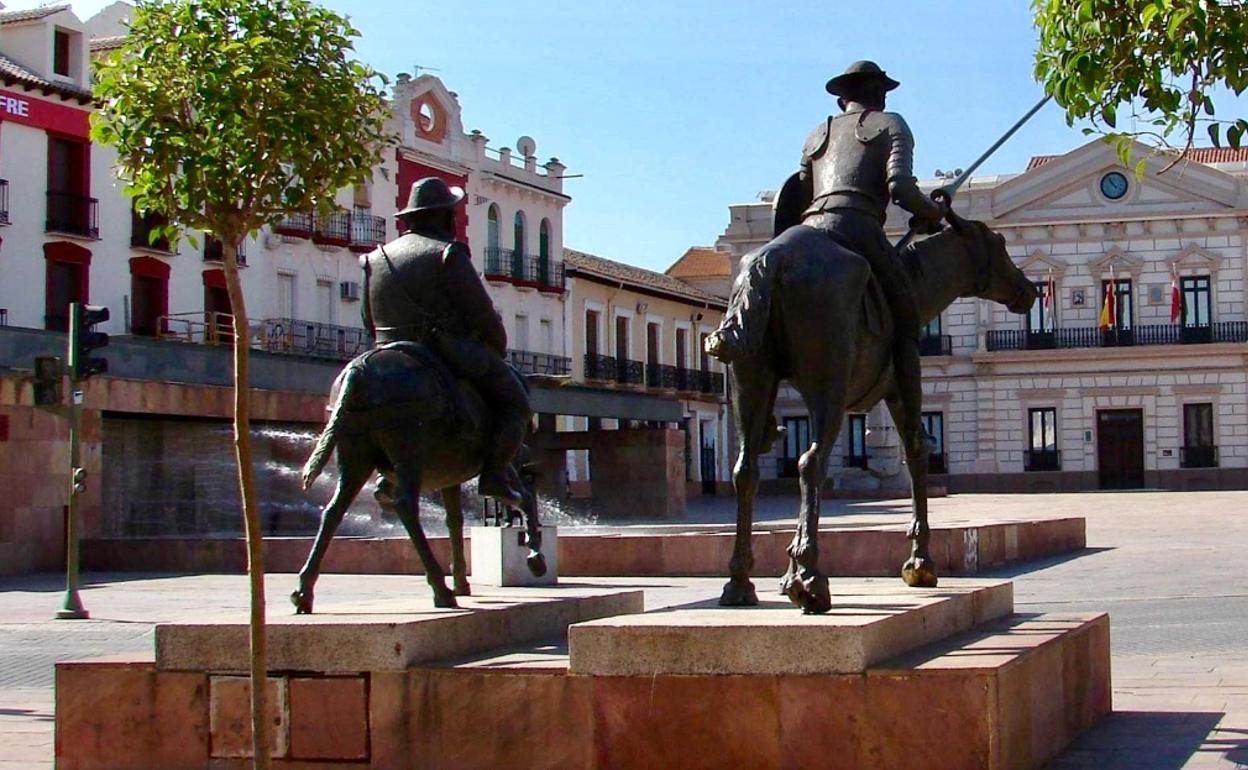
1113,185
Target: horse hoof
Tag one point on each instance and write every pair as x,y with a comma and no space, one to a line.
919,573
808,591
537,564
462,589
738,594
302,601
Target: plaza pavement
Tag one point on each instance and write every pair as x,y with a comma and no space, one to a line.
1164,565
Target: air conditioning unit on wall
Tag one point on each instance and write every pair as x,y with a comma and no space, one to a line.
349,290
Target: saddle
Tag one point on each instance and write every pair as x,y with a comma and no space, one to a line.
367,399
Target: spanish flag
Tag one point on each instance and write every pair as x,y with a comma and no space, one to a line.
1109,308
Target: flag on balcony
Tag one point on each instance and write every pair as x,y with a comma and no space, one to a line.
1050,291
1109,308
1176,296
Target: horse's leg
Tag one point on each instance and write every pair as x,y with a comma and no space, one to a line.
753,398
407,505
452,500
919,570
804,584
533,530
354,469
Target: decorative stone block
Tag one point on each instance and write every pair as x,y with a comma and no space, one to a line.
498,556
329,718
229,715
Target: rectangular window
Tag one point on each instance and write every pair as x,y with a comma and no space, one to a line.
652,344
1042,454
591,332
704,358
1199,449
60,52
934,425
682,348
1040,318
146,303
547,331
1195,313
521,342
621,338
796,442
326,302
932,328
856,442
64,286
285,295
1124,305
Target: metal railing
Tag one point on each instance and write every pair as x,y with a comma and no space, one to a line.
525,268
202,328
529,362
74,214
1093,337
936,345
1198,457
1042,460
296,223
332,229
4,201
141,228
314,339
367,231
611,369
214,251
667,377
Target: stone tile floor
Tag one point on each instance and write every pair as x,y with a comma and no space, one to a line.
1162,565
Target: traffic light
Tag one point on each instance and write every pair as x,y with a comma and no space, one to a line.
84,339
80,480
48,374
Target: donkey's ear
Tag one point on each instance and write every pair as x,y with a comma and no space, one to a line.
960,225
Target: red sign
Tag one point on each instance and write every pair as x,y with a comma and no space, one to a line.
51,116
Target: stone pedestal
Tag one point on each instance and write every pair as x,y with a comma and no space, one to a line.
499,555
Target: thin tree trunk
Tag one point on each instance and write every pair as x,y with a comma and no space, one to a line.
251,514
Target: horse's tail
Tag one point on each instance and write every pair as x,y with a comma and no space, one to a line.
329,436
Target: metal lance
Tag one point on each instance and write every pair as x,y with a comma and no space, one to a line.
944,195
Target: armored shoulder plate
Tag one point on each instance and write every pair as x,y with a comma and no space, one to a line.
817,140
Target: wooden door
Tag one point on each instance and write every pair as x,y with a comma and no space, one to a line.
1120,448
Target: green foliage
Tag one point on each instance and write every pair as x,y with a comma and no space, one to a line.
1161,57
228,113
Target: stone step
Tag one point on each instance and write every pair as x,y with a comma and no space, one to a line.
871,620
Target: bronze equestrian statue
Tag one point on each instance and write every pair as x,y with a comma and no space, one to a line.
829,305
434,403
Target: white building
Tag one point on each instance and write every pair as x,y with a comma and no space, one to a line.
1050,401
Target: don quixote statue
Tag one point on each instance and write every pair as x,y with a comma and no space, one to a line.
433,404
831,306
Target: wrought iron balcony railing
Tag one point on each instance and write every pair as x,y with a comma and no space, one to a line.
298,224
1093,337
524,268
311,338
141,228
332,229
367,231
1042,460
73,214
529,362
1198,457
936,345
611,369
214,251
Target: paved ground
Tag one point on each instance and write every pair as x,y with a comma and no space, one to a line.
1162,564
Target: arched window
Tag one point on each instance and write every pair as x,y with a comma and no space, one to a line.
491,240
518,239
543,252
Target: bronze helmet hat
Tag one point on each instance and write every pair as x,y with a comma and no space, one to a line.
855,75
431,194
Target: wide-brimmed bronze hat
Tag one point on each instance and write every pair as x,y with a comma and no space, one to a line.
857,73
430,194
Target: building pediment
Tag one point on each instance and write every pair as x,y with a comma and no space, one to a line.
431,113
1124,264
1040,264
1196,258
1070,188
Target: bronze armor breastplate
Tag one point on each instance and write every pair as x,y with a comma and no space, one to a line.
850,172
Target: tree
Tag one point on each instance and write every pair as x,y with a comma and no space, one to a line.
227,114
1160,57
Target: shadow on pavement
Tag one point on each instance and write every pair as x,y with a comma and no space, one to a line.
1157,740
1024,567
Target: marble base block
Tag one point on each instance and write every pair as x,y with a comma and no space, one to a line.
498,556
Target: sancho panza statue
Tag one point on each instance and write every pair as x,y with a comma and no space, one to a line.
852,166
422,287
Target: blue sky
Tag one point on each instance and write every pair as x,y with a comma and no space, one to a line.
674,110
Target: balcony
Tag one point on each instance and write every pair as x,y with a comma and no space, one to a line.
141,228
665,377
860,462
214,251
367,232
298,224
1093,337
4,201
1198,457
73,214
314,339
937,463
332,229
523,269
610,369
936,345
1036,460
528,362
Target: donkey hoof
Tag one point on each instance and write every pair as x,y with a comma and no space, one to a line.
462,588
738,594
537,564
808,591
919,573
302,601
444,600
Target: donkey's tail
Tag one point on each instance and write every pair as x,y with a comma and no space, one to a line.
329,436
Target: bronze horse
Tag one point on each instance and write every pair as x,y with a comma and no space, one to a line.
397,409
829,333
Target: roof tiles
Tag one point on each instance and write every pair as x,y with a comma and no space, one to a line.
578,262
